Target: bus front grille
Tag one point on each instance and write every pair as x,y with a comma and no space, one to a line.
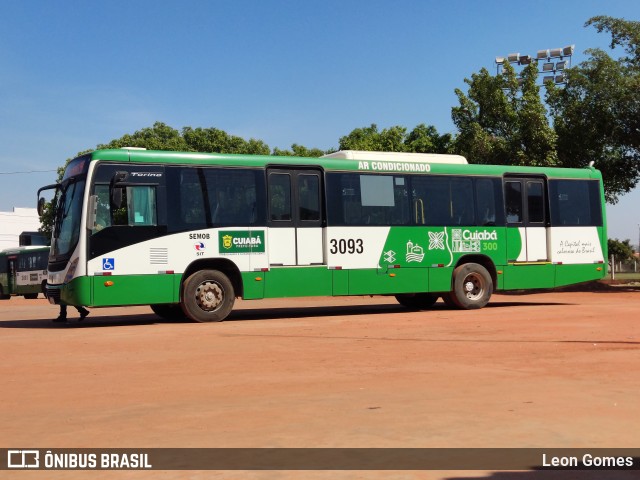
53,294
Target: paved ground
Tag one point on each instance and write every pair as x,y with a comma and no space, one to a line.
539,370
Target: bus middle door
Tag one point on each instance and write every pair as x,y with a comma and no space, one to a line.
295,217
12,275
528,219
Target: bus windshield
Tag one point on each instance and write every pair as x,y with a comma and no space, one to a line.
67,218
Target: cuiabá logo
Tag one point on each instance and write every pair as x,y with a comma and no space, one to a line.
241,241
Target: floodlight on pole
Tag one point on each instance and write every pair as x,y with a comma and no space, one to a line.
542,54
546,58
555,52
524,60
513,57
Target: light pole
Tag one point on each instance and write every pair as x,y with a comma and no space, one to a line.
548,59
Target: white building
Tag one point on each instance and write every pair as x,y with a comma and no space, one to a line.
12,224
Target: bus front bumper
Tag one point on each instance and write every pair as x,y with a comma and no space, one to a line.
53,293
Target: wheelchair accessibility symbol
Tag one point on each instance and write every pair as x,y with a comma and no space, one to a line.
108,264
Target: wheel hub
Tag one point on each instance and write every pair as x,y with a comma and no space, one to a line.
209,296
473,286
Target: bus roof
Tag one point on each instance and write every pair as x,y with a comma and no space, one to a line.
397,156
388,162
27,248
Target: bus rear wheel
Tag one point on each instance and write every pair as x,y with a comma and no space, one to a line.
472,286
207,296
417,301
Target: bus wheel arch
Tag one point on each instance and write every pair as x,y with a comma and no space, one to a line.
209,289
473,282
221,264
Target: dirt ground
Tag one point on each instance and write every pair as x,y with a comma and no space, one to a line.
539,370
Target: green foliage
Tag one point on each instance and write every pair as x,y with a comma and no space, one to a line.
597,114
622,251
422,139
215,140
158,137
212,140
299,151
500,122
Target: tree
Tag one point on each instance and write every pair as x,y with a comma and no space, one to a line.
212,140
426,139
503,121
597,113
218,141
621,251
158,137
299,151
422,139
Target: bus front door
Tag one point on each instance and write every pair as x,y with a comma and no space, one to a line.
12,276
525,201
295,217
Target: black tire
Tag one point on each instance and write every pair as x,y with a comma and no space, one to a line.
207,296
447,298
472,286
168,311
2,295
417,301
30,296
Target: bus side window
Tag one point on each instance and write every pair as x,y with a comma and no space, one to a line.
486,202
575,203
138,207
309,196
141,204
279,196
103,210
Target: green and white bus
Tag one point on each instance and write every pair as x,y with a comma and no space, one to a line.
188,233
23,271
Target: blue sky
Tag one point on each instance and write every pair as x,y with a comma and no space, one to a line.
74,74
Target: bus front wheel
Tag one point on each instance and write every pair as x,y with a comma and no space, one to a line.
472,286
207,296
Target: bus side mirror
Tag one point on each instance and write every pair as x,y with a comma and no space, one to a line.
116,197
116,189
41,203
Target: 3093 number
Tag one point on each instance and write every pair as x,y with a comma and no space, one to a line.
350,245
